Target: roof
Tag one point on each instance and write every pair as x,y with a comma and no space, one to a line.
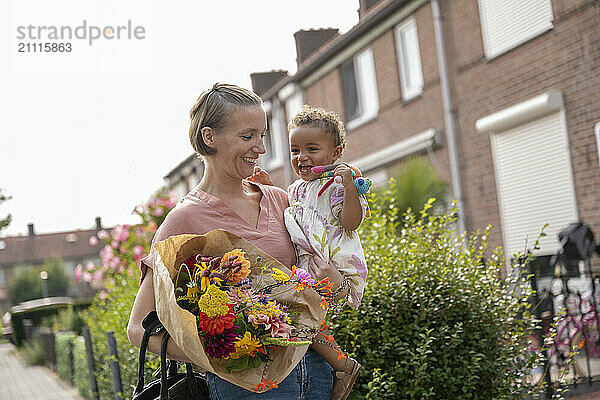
369,20
36,249
181,165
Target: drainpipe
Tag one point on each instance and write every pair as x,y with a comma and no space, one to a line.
448,113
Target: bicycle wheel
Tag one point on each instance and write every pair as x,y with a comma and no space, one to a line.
587,360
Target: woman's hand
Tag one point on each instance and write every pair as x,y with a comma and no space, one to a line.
260,176
324,270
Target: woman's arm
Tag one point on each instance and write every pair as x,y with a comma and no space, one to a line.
351,215
143,304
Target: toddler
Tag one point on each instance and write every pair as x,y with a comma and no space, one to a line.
322,222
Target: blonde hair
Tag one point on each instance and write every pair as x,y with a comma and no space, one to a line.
214,108
318,117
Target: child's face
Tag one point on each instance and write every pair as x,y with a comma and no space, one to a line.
309,147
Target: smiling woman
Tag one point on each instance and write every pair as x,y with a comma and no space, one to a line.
226,131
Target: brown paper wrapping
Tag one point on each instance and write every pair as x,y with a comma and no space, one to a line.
181,324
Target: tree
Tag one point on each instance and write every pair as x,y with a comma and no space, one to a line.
4,222
413,184
27,284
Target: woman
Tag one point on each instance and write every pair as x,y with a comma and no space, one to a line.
227,129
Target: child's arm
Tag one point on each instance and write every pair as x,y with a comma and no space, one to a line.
351,214
260,176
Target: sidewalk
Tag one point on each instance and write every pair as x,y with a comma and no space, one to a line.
21,382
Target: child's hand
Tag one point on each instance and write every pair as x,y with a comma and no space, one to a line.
345,173
260,176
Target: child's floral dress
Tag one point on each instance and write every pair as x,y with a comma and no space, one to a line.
313,224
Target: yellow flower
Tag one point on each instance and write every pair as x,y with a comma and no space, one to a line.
193,291
244,269
246,346
214,302
279,275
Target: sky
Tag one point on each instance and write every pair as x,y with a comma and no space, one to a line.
92,131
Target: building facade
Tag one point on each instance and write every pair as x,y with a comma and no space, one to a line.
72,248
502,97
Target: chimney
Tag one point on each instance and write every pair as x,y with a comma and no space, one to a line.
31,230
263,81
307,42
98,223
366,5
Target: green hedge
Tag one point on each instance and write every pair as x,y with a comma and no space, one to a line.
435,322
112,314
63,354
82,377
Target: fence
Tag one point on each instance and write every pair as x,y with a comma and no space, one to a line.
48,339
567,301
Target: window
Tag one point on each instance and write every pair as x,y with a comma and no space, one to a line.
359,89
272,157
409,59
535,182
508,23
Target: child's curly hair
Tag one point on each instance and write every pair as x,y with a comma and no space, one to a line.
321,118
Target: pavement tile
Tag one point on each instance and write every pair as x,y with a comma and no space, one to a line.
19,381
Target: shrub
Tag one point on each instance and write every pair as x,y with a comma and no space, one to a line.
82,378
66,319
438,322
414,182
63,354
33,353
112,314
110,310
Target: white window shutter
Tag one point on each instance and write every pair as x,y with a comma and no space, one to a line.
535,183
507,23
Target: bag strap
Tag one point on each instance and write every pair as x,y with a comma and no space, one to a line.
189,372
164,387
152,326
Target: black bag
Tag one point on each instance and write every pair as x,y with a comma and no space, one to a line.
175,385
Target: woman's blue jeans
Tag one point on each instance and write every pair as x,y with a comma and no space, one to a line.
310,380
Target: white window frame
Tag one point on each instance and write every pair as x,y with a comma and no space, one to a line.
597,132
366,87
410,86
492,44
272,158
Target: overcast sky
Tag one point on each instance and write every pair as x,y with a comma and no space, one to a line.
92,132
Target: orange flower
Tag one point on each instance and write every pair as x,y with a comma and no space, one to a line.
218,324
324,325
265,384
238,273
329,338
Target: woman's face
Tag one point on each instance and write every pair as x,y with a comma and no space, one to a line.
239,144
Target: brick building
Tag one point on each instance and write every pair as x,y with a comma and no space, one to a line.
72,248
502,97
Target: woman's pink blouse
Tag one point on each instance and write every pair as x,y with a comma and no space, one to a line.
200,212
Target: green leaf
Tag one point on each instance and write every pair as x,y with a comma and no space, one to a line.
237,364
254,362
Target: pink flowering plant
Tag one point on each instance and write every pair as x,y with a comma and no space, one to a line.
125,245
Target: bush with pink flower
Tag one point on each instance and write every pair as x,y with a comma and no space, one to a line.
125,245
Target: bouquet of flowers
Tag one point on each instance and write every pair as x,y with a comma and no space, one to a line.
234,310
